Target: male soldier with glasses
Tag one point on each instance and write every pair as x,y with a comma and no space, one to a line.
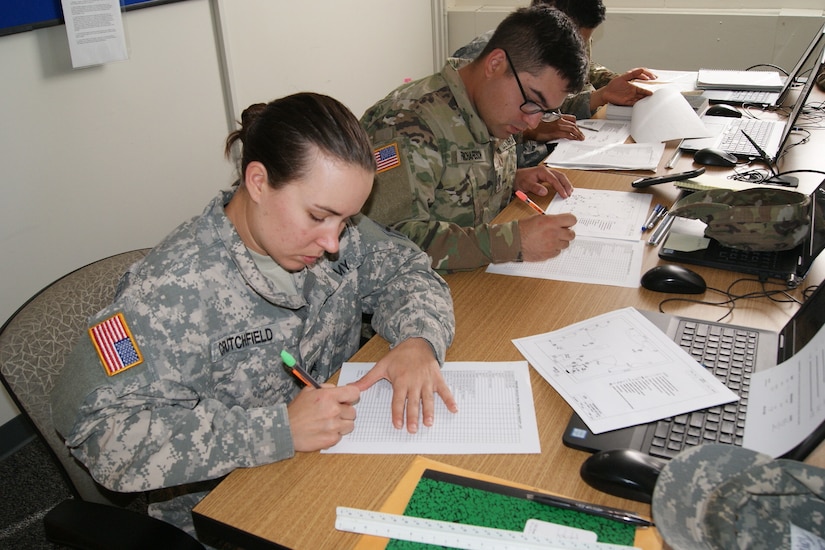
446,146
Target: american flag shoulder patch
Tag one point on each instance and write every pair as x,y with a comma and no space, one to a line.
387,157
115,344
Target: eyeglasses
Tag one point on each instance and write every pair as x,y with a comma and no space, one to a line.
531,107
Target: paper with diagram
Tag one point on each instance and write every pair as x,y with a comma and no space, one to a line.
618,370
607,249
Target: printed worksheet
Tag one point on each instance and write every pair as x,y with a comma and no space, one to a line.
600,131
604,213
495,414
618,370
607,249
786,402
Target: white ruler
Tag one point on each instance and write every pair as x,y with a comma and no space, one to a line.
452,535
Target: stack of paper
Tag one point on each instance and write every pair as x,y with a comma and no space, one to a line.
618,112
611,156
711,79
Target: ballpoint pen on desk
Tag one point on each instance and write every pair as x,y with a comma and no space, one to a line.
296,369
662,230
659,216
601,511
531,204
658,212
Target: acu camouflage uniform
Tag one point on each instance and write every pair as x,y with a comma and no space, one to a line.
530,153
444,177
211,393
721,497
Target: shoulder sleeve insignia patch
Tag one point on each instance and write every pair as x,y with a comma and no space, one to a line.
387,157
115,344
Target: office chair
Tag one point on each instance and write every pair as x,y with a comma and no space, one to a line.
33,344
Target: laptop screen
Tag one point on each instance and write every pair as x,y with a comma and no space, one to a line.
790,125
811,315
816,241
793,76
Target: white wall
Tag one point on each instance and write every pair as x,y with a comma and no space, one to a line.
106,159
356,51
673,38
645,5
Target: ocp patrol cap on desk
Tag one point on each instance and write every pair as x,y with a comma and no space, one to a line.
750,219
723,497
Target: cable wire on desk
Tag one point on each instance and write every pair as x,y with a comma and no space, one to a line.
777,67
733,298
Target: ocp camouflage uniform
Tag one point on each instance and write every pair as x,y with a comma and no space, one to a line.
444,177
761,219
530,152
211,393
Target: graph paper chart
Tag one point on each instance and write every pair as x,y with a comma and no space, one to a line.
495,414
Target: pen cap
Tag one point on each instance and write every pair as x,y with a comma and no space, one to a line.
288,360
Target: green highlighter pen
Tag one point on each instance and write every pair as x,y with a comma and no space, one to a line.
300,373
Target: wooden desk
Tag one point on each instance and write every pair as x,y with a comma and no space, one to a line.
293,502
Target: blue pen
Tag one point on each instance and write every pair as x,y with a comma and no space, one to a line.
651,220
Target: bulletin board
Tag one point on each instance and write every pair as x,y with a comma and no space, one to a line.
26,15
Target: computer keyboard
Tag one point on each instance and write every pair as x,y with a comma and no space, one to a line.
761,260
751,96
729,354
734,141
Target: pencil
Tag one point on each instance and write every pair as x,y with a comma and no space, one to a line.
296,369
531,204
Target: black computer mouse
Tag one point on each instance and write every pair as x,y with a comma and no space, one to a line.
623,473
673,278
723,110
714,157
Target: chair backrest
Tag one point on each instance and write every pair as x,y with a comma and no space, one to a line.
35,341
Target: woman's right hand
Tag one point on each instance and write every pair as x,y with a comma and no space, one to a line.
319,417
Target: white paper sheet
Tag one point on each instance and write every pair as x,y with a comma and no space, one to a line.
607,249
601,131
666,115
605,213
681,81
785,402
582,155
495,414
95,31
618,369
